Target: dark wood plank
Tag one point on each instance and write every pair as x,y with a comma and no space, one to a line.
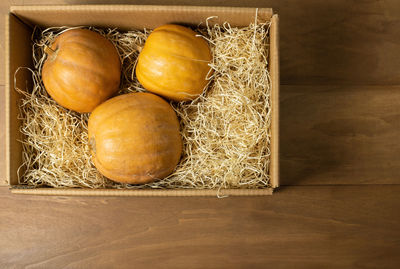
339,42
340,135
298,227
322,42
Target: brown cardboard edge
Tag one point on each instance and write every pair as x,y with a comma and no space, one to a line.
7,96
105,7
274,39
154,193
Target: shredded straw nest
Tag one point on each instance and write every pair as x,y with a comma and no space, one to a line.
226,131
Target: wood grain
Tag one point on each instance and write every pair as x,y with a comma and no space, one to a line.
339,42
322,42
298,227
340,135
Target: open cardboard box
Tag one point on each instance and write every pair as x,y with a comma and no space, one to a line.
19,27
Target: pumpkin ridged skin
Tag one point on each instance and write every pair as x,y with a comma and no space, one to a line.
134,138
82,70
174,63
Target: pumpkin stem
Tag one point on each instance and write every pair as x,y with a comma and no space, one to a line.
48,50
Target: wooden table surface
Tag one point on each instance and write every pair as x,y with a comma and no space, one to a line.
339,206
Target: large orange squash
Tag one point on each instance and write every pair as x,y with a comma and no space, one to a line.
174,63
134,138
82,70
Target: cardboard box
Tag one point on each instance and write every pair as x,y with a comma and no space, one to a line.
19,26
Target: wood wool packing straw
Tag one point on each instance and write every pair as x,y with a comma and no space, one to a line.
226,131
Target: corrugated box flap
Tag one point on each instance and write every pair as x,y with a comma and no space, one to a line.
124,192
135,16
274,73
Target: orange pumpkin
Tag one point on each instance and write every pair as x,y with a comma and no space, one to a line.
82,70
134,138
174,63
